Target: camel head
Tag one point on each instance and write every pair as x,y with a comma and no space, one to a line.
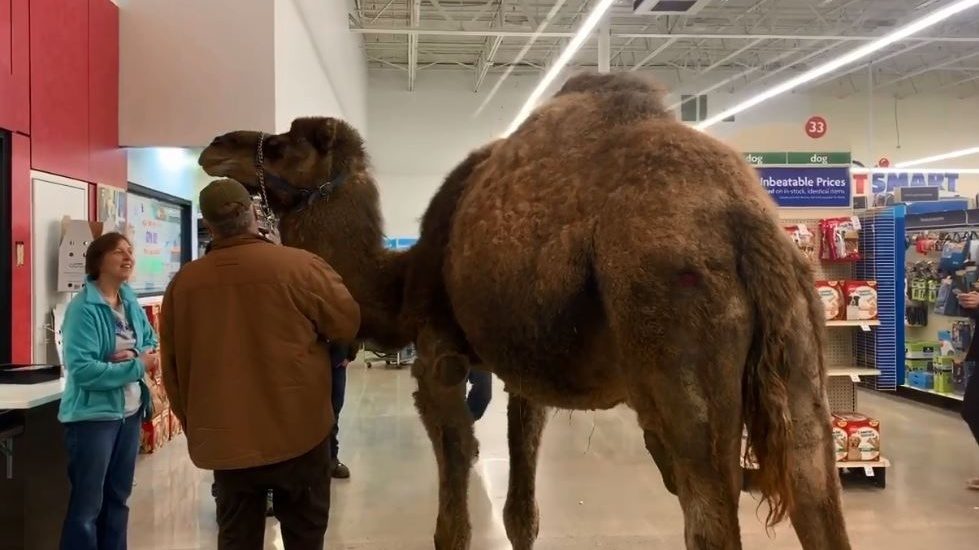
311,161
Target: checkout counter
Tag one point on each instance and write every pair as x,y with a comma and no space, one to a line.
33,466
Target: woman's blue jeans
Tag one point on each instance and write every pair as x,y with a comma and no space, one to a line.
101,466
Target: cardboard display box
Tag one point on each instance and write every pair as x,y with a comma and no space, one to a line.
76,235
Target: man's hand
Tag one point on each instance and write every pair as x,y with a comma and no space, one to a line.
969,300
124,355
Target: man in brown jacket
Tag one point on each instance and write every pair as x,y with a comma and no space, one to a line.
244,333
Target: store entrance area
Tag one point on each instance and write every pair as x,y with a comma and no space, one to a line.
597,486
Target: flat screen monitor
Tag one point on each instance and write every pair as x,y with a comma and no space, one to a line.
159,225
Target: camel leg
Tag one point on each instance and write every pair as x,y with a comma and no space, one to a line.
525,424
817,514
450,427
698,458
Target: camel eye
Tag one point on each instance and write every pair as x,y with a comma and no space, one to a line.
273,148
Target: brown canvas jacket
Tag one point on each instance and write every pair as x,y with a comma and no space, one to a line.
243,341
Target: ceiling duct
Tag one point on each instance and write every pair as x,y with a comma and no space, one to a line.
667,7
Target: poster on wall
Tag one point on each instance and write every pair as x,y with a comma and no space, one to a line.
112,210
156,230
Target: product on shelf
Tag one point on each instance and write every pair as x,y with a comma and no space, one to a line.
920,350
831,294
841,239
862,436
839,442
804,240
861,300
156,432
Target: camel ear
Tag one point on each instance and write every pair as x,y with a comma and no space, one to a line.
323,137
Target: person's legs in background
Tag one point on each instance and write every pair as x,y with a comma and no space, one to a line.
90,447
113,521
970,412
338,469
480,393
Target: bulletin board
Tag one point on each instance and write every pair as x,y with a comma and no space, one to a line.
159,226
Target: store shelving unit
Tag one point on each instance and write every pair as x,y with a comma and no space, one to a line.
852,347
947,220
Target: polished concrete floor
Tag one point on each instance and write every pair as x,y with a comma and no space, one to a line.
597,486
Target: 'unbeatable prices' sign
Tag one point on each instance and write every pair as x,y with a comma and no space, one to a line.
808,187
805,180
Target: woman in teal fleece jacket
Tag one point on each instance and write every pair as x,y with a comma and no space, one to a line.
109,345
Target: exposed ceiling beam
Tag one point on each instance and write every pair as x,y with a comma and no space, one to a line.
520,32
540,29
662,48
852,70
928,68
488,55
946,86
414,16
438,7
732,55
742,74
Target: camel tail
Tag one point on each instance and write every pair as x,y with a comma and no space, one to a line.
776,278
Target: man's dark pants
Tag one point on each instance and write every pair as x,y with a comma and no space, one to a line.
300,493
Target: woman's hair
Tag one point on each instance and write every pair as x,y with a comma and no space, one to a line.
98,249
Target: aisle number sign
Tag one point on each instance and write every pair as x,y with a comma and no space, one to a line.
805,180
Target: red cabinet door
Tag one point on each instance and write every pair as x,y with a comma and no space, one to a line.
59,87
108,161
15,81
21,248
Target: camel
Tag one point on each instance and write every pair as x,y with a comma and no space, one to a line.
602,254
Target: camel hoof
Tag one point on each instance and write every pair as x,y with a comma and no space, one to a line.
451,369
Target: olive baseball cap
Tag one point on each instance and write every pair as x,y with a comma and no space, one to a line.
222,199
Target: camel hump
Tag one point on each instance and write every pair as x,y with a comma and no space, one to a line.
627,86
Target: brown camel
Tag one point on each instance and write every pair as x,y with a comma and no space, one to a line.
602,254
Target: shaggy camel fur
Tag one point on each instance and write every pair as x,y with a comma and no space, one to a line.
602,254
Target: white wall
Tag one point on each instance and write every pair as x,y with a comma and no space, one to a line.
417,137
302,87
191,69
341,54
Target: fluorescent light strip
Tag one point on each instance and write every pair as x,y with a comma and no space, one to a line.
900,34
936,158
859,170
579,38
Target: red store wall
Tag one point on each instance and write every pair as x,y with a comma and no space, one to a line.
59,95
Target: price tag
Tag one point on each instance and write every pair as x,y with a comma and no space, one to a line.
868,471
855,378
865,327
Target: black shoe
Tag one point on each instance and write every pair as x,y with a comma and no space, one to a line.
339,470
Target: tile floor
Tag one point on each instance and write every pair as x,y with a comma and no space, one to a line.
597,486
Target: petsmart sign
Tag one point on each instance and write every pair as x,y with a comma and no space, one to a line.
805,180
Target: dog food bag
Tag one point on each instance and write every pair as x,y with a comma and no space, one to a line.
862,436
831,294
861,300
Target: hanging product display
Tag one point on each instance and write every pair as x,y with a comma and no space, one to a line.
841,239
803,239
